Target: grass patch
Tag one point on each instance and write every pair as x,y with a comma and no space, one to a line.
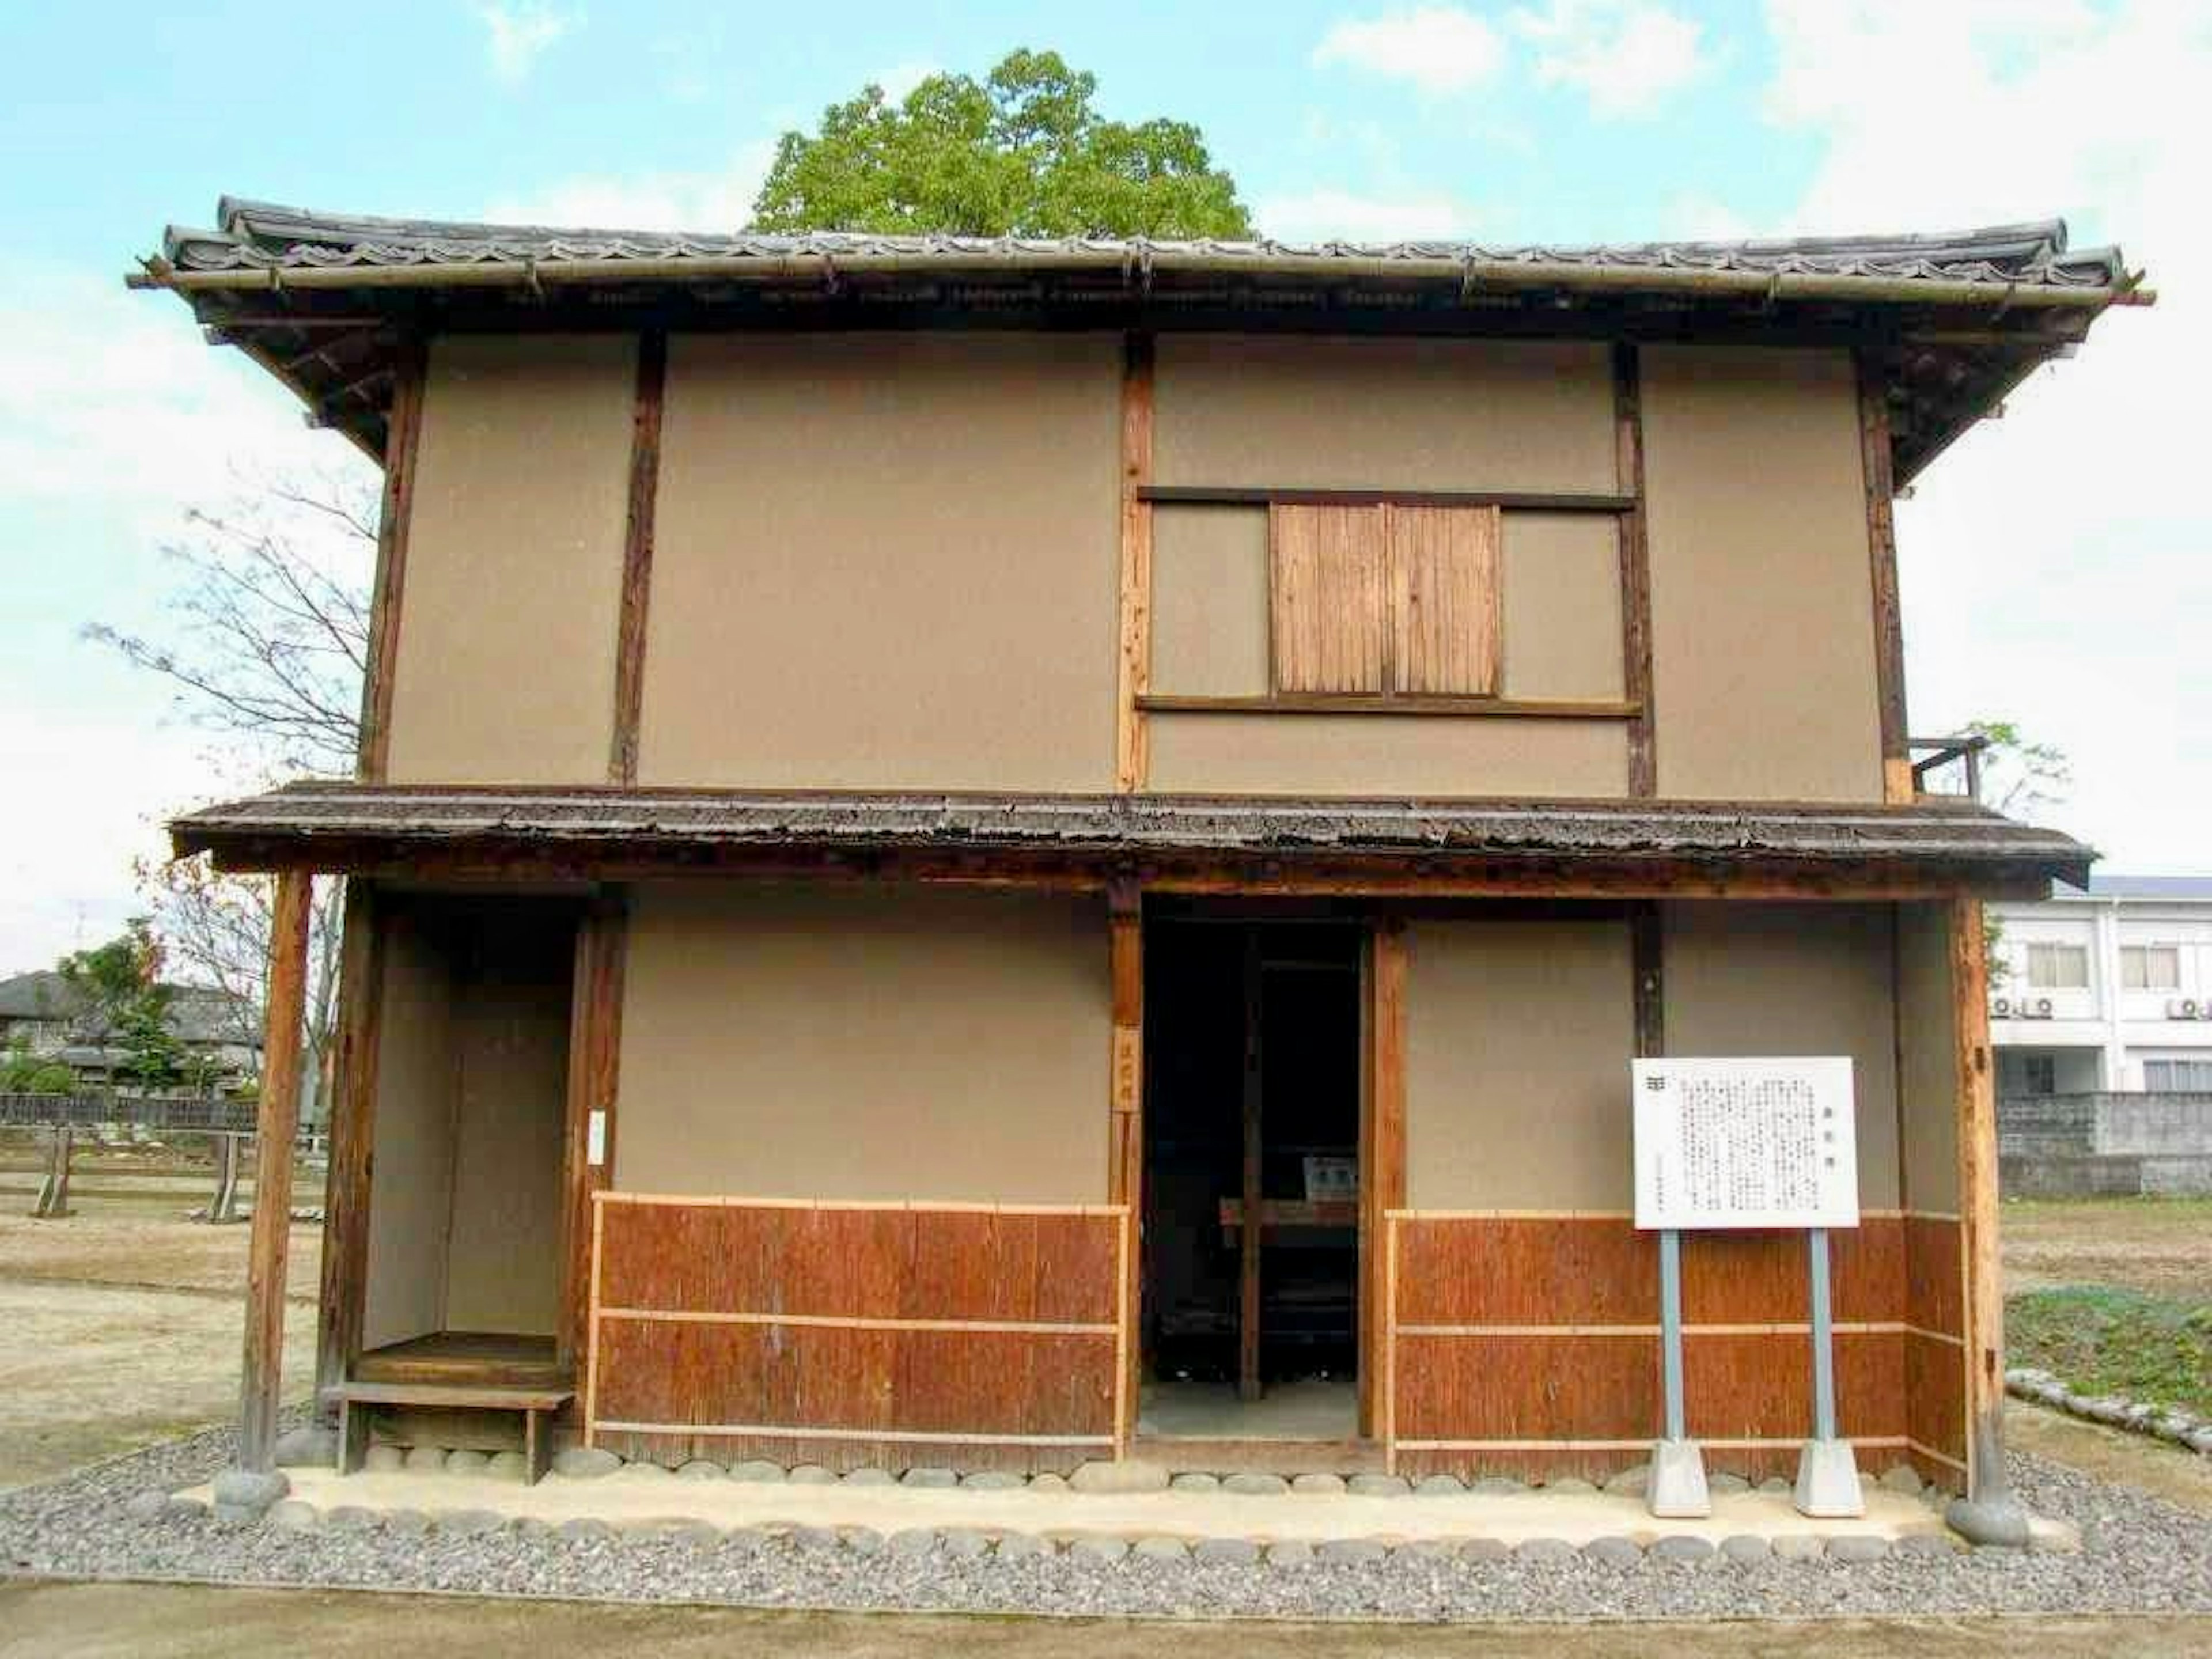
2100,1339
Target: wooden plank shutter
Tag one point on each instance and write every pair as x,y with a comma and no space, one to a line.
1329,599
1445,561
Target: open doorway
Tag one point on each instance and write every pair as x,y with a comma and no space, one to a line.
1254,1046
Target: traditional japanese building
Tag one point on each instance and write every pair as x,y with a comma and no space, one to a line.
1003,853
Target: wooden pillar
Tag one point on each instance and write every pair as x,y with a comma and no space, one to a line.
1381,1161
1881,547
1635,571
637,553
1647,937
1125,1172
404,426
1131,749
1986,1485
595,1079
353,1137
1250,1232
52,1203
269,1248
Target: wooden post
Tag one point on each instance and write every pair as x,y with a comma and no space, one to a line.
353,1136
1989,1513
1381,1164
637,553
1635,571
223,1203
1249,1228
404,426
1131,749
53,1192
1125,1173
594,1072
1898,786
269,1248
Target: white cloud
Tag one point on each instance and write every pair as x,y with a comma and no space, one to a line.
715,199
517,33
1627,57
1347,216
900,79
2054,563
1438,49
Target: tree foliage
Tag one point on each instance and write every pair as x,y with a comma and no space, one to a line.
2021,777
1021,153
126,1006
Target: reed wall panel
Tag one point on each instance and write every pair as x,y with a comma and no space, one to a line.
1935,1296
895,1335
1536,1270
1527,1388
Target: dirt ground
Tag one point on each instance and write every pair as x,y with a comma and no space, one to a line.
182,1622
2160,1246
121,1324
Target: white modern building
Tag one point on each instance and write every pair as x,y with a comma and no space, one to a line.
2105,991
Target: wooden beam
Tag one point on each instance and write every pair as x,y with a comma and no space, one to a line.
1249,1237
637,552
270,1249
353,1138
1311,703
595,1009
1898,783
1125,1174
1513,501
1978,1203
1131,750
403,439
1647,937
1635,571
1381,1159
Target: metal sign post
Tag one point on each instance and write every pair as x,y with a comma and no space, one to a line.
1827,1473
1746,1143
1678,1467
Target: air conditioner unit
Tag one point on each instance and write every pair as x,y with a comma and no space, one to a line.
2035,1008
2184,1008
2001,1007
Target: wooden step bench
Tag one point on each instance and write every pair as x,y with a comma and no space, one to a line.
536,1405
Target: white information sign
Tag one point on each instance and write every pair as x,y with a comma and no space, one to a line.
1745,1143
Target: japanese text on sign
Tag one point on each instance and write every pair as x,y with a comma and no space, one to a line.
1745,1143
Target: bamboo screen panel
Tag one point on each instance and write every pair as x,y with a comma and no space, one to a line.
857,1333
1372,600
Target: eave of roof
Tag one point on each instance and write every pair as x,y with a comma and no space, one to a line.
322,299
340,826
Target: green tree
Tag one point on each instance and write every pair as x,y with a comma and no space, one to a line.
126,1006
2019,777
1021,153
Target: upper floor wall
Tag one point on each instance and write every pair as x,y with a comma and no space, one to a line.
1038,562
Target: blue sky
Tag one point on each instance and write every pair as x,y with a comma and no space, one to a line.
2054,563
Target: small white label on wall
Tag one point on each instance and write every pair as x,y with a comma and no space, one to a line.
1745,1143
595,1140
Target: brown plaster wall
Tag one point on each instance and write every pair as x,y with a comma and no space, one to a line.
411,1193
511,1031
1562,633
1928,1043
1762,600
1401,414
1386,754
1210,601
864,1044
1793,979
505,663
1518,1036
886,561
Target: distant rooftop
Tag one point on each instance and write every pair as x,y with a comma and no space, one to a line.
2140,887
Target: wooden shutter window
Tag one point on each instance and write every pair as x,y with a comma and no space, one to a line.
1383,599
1329,599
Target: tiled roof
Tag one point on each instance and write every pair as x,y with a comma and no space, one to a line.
427,817
259,235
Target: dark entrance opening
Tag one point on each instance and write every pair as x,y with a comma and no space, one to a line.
1253,1047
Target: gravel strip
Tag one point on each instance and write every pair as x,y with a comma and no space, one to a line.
2139,1555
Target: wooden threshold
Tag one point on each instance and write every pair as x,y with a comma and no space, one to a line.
1210,1454
483,1360
1464,708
